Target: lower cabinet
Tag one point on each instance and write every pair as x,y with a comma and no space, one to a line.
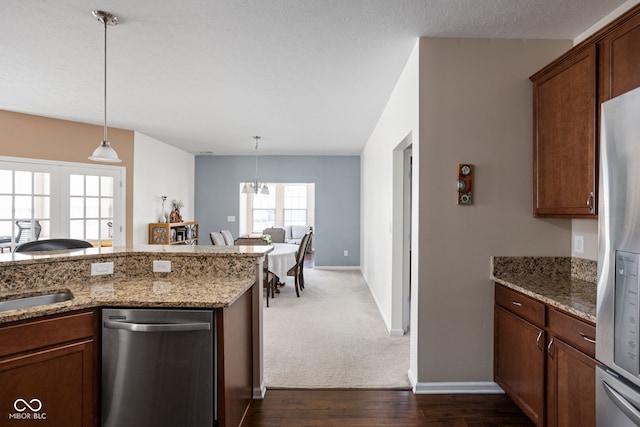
544,360
519,362
48,371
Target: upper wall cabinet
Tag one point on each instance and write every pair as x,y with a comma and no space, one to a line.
566,112
620,60
565,137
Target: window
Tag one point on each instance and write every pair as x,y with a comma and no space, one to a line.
295,205
263,210
286,204
66,200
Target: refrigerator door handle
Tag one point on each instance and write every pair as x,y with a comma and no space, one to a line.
156,327
622,403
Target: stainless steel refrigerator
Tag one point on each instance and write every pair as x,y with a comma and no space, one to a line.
618,315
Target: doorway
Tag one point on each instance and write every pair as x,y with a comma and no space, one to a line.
401,238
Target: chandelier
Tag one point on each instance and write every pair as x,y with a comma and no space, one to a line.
254,186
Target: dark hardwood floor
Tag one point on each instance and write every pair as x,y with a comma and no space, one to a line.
289,408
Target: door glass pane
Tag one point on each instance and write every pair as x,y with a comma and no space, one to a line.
76,185
23,182
6,228
93,229
41,207
92,185
76,229
6,181
93,210
41,183
45,233
76,207
106,208
23,207
6,207
106,186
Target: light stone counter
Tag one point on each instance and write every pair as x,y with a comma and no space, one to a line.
200,277
562,282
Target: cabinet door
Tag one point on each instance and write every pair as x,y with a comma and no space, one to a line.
519,362
571,382
565,118
620,60
52,386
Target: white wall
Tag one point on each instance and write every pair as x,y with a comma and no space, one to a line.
160,169
475,107
398,121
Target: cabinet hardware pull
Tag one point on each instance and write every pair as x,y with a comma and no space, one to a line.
538,341
586,338
549,348
519,304
590,202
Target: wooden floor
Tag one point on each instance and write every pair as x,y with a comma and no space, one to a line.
288,408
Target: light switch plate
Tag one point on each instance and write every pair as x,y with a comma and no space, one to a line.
578,244
231,218
161,266
100,268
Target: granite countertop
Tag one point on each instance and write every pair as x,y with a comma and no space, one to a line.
568,284
201,277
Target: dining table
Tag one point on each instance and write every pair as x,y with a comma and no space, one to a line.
281,259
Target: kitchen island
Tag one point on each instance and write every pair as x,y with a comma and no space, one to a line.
65,336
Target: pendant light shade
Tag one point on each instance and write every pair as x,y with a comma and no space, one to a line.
104,152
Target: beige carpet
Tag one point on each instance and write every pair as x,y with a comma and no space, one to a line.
331,337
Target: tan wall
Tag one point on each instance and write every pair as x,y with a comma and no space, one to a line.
475,107
35,137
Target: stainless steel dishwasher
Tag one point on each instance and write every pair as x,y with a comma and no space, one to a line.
158,368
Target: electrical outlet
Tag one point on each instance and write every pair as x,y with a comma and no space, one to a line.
161,266
231,218
578,244
346,252
100,268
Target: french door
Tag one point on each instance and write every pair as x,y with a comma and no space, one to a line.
60,200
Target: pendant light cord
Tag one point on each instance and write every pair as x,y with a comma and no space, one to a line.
105,19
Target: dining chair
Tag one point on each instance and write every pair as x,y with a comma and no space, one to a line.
270,280
217,239
277,234
228,237
297,270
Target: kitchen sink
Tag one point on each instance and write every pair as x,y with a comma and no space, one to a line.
14,303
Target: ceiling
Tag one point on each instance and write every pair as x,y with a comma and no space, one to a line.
310,76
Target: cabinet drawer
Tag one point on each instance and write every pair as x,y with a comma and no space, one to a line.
40,333
573,331
520,304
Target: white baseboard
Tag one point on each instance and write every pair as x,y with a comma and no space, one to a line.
396,332
336,267
259,392
462,387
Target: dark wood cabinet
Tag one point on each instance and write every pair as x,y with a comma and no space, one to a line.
571,383
519,362
620,60
565,137
566,116
544,360
48,371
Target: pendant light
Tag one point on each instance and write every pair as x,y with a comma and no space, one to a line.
255,187
104,152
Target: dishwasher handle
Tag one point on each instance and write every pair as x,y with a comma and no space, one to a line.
156,327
